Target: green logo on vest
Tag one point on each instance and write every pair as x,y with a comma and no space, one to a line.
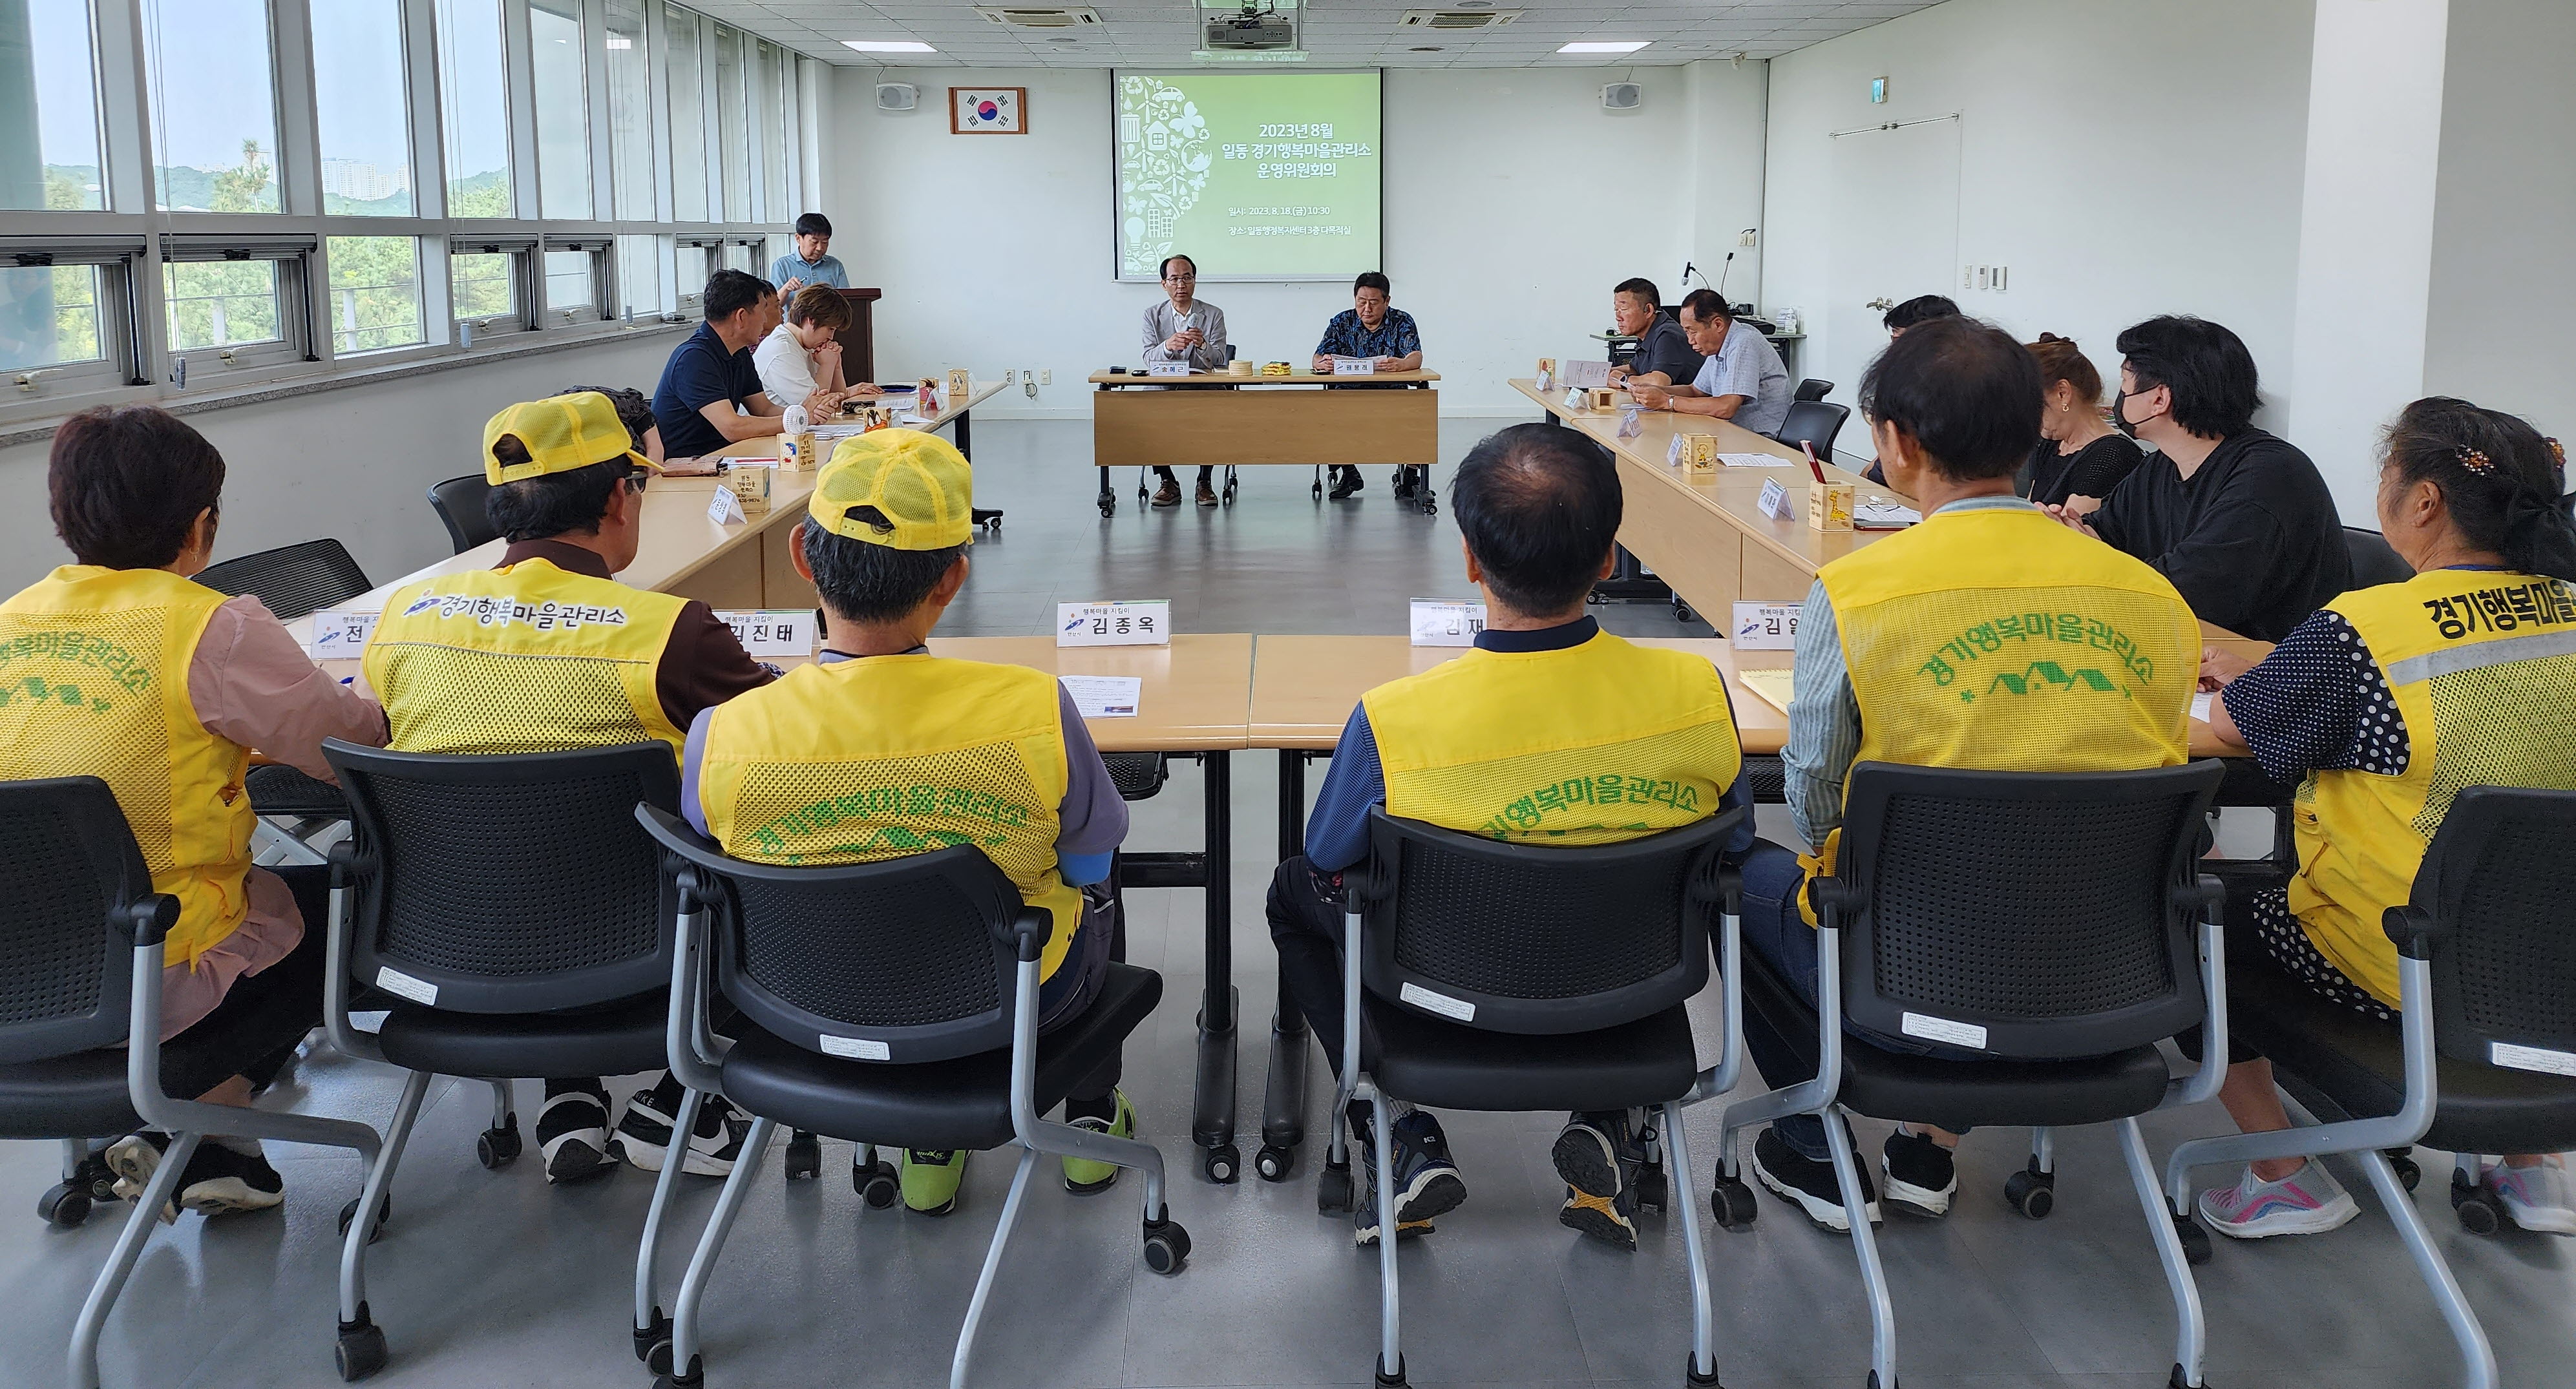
2041,676
2048,677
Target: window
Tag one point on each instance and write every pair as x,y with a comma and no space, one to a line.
223,303
733,146
375,292
474,106
772,125
51,77
630,114
214,106
572,282
483,289
688,116
362,120
639,277
563,109
50,317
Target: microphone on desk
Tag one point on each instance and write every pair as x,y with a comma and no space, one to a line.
1721,275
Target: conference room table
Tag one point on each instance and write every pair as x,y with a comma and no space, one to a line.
1219,419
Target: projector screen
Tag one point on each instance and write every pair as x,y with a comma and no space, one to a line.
1253,175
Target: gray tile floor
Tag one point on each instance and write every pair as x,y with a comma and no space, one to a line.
494,1279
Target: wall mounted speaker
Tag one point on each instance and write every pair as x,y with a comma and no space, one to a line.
1621,96
897,96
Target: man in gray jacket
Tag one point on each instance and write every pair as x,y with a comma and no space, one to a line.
1184,328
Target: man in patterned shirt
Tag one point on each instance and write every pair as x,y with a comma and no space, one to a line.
1386,337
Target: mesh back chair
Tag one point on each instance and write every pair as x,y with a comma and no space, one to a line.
895,1003
1813,389
1813,422
2484,1058
83,941
459,504
2374,562
518,920
1952,915
293,580
1516,977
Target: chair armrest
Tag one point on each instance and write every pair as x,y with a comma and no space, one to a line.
1831,895
1027,933
148,921
2414,931
348,865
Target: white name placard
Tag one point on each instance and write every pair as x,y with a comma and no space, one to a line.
1355,366
1181,368
340,635
788,632
1447,621
726,508
1133,622
1578,371
1775,501
1632,422
1765,627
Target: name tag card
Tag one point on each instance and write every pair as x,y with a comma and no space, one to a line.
1181,368
1632,422
339,635
782,633
1355,366
1447,621
1578,371
1546,381
1775,501
1143,622
726,509
1766,626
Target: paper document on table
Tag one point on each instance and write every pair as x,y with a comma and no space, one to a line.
1883,515
1773,685
911,417
1752,460
2200,705
1104,696
1576,371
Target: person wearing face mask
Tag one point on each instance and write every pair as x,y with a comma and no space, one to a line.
1664,354
2238,520
2382,705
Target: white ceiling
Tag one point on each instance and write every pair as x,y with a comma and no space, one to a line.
1337,33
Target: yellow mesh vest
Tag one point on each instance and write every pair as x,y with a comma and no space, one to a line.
1999,640
861,761
1591,744
2483,667
523,659
94,682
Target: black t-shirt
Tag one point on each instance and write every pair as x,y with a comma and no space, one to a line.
1666,348
2252,540
2091,471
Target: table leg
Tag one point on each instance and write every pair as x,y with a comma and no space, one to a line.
966,436
1283,1102
1108,499
1212,1105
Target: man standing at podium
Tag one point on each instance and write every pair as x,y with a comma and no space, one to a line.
812,262
1184,328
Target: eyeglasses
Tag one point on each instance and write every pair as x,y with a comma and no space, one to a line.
1180,279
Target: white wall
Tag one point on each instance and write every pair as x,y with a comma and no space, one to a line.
2123,160
1513,203
354,462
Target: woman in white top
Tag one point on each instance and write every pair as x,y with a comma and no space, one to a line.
800,361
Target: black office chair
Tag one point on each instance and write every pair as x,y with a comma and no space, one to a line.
86,932
2374,562
1813,389
1947,915
1514,977
2487,999
892,1002
1813,422
459,504
519,921
293,580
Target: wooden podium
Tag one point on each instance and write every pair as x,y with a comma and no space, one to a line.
858,340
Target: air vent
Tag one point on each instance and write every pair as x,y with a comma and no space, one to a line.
1010,18
1459,19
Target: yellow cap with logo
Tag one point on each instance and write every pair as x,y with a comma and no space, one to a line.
561,433
919,484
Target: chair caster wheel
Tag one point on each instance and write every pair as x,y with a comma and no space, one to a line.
1683,613
2031,1191
658,1358
1390,1381
2195,1240
656,1334
1732,1204
2476,1206
1316,491
98,1178
696,1377
2179,1380
1108,509
498,1148
1274,1162
1654,1189
1223,1164
1333,1189
360,1350
1692,1377
804,1157
2408,1173
1167,1246
64,1204
876,1184
384,1213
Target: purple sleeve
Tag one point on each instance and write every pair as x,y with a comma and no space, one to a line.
1093,819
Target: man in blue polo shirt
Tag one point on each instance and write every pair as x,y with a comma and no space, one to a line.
812,262
710,394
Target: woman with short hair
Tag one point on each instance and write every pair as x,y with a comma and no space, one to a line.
800,361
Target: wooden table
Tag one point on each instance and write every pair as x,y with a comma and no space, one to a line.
1218,419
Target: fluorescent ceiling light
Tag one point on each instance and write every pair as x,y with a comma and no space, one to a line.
903,46
1619,47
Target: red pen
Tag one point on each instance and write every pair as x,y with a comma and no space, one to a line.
1812,465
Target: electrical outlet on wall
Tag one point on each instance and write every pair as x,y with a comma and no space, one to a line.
1010,378
2003,278
1046,376
1745,237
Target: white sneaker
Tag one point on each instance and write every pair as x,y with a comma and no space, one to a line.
2306,1202
2538,1198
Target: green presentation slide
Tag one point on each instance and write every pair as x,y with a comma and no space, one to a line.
1253,175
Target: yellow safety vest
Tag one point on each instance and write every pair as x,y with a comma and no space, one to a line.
1995,639
526,658
1589,744
862,761
94,682
2483,667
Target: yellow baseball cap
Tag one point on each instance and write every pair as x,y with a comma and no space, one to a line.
918,482
561,433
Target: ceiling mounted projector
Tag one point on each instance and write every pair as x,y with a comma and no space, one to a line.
1256,27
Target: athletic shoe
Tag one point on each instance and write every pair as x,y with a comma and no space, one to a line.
1426,1182
572,1130
2306,1202
1597,1156
644,1135
1207,495
134,1158
1169,494
1809,1184
1083,1176
1921,1174
221,1181
1345,482
2538,1198
930,1179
